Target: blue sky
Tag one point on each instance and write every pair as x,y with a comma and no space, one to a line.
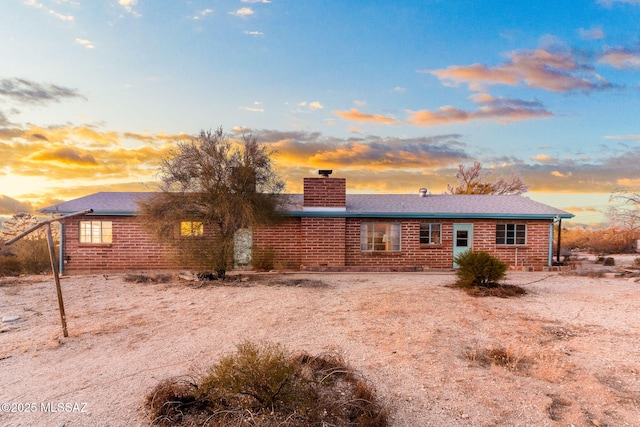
392,95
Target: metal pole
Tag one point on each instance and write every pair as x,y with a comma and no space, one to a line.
54,268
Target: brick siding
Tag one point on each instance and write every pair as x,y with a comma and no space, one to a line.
132,248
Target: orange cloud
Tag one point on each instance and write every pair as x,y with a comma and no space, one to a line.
621,58
556,72
66,155
502,110
357,116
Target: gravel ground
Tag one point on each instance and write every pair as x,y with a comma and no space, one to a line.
567,353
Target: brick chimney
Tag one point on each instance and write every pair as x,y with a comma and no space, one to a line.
325,194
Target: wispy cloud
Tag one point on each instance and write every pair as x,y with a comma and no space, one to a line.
256,1
129,5
52,12
540,69
594,33
255,109
29,92
243,12
86,43
312,106
623,58
357,116
502,110
202,14
610,3
11,206
254,33
624,137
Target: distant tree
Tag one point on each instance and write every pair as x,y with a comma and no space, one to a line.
32,251
625,216
212,181
472,181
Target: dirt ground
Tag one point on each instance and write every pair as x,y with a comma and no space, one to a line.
567,353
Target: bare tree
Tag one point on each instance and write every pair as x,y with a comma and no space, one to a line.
213,182
626,215
472,181
32,251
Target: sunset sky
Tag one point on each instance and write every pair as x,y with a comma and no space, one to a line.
392,95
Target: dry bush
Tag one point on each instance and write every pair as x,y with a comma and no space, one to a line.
264,385
10,265
510,357
169,401
299,283
144,278
500,291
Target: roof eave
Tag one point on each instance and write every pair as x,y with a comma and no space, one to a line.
423,215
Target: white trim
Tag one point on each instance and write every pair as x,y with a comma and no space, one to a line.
323,209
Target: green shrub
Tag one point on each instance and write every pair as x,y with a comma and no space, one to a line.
478,269
264,385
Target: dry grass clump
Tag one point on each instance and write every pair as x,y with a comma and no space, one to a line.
143,278
499,290
507,357
264,385
299,283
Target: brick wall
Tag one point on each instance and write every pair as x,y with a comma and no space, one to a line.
534,255
322,242
132,248
283,239
306,242
325,192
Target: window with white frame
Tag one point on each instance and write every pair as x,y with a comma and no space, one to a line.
511,234
191,228
379,236
95,232
430,233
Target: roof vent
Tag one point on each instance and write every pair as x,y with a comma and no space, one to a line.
325,172
423,192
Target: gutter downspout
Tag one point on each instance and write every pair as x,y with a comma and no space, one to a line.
558,220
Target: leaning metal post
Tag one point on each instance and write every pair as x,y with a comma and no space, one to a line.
52,258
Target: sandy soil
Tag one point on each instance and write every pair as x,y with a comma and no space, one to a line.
569,350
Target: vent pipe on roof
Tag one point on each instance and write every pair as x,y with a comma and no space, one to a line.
325,172
423,192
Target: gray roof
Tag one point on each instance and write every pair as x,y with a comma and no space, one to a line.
358,205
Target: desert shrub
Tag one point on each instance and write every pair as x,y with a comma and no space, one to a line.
144,278
511,358
609,261
265,385
636,261
478,269
170,400
10,265
33,254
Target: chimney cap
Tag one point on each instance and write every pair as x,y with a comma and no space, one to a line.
325,172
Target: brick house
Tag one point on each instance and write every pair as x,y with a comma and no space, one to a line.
327,229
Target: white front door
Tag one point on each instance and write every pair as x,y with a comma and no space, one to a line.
462,239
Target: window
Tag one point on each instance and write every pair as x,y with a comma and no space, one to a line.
95,232
380,236
191,228
511,234
430,234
